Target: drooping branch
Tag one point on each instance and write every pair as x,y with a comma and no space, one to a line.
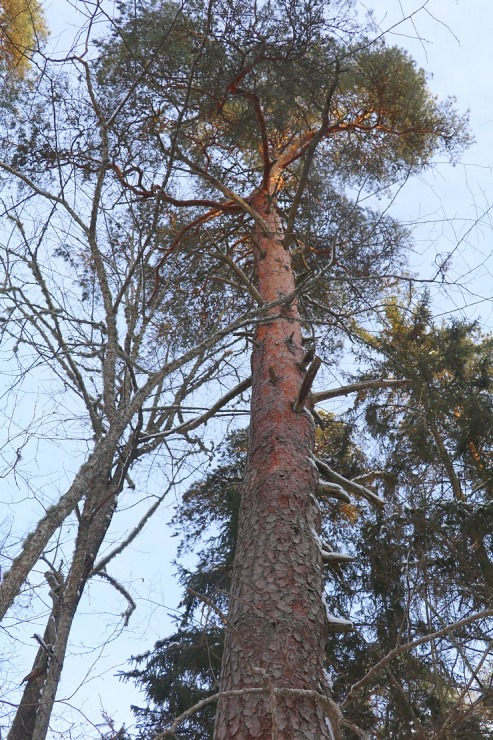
101,565
349,485
123,591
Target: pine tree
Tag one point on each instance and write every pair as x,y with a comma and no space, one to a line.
256,105
225,141
419,565
184,668
22,30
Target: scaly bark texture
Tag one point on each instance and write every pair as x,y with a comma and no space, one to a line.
277,622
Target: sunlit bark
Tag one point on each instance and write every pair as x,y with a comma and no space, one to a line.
277,621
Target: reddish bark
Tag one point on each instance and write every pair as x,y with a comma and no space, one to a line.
277,621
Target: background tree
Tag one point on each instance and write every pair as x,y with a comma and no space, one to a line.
22,29
435,436
78,276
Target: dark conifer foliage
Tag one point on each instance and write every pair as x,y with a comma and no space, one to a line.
425,562
184,668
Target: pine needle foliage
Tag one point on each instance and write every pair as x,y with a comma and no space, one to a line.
22,30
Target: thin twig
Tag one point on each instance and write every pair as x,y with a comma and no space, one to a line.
410,645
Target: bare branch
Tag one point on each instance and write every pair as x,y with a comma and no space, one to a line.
363,385
306,385
188,426
409,646
296,693
121,589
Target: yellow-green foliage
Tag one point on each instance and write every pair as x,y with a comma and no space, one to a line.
22,26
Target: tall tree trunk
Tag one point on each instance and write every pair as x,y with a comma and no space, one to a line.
277,622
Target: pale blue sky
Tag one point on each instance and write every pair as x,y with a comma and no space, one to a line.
452,41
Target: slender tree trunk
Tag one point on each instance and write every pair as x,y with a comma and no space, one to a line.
95,520
33,716
25,718
88,477
277,621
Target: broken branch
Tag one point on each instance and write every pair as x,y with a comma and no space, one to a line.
306,385
349,485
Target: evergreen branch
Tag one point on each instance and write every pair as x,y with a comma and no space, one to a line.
307,164
146,69
447,461
263,128
205,599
